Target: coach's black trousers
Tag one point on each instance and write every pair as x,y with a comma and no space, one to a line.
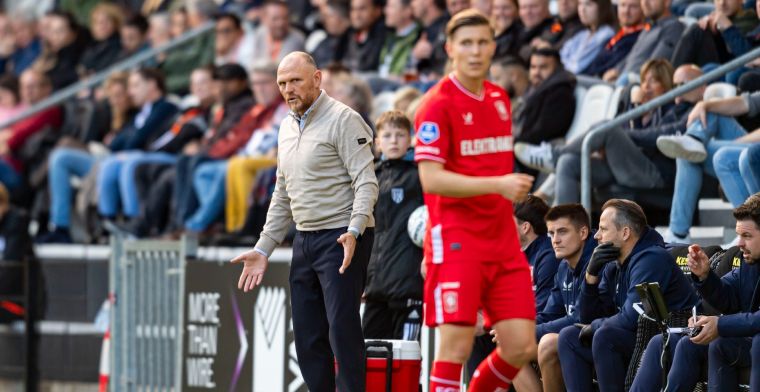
325,304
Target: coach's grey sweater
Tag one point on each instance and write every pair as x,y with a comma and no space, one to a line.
325,173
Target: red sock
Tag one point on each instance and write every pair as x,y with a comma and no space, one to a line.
445,377
493,374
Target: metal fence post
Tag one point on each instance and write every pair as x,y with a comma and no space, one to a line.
147,284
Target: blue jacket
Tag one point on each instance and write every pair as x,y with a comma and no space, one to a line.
544,266
611,301
737,295
159,120
562,307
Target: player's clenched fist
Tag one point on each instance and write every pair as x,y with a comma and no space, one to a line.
515,186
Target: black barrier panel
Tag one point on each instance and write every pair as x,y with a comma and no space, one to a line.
235,341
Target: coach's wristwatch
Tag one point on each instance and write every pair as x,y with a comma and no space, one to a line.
354,231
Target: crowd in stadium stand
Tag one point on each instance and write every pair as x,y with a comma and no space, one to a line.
187,142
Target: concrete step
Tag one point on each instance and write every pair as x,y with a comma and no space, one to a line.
716,212
704,235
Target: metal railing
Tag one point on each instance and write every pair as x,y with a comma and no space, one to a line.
641,110
72,90
147,282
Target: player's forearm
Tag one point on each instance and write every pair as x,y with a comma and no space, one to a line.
450,184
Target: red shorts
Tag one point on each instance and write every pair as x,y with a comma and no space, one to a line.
456,290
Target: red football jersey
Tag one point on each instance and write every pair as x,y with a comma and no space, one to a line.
470,135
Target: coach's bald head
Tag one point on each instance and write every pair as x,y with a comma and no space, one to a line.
299,79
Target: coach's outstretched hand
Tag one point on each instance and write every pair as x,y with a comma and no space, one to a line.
254,266
349,245
603,254
515,186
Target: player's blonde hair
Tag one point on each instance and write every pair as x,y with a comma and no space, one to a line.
468,17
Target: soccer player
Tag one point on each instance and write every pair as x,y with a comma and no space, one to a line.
464,150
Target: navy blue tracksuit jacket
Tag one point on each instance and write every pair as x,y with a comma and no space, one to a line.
564,300
544,266
737,296
611,302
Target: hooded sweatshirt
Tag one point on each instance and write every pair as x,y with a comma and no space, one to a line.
548,109
611,301
562,306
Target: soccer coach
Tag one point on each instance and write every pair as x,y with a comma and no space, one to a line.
326,184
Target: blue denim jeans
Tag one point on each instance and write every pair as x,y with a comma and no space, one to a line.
116,184
733,166
208,182
720,131
65,163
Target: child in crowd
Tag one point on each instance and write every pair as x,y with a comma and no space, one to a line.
394,286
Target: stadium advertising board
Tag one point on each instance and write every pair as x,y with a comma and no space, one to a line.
235,341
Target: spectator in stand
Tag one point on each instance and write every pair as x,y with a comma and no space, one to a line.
274,38
63,45
430,45
396,56
549,103
105,22
196,53
10,100
67,162
182,136
178,22
718,37
134,38
34,87
598,19
511,74
354,93
454,7
27,45
252,144
159,32
630,253
393,308
507,27
738,170
231,44
146,90
631,20
566,24
336,20
367,36
537,21
657,41
712,125
727,342
223,139
625,156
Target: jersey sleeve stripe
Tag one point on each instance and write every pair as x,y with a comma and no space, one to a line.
426,157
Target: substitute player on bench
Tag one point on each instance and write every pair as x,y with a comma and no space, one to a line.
464,150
